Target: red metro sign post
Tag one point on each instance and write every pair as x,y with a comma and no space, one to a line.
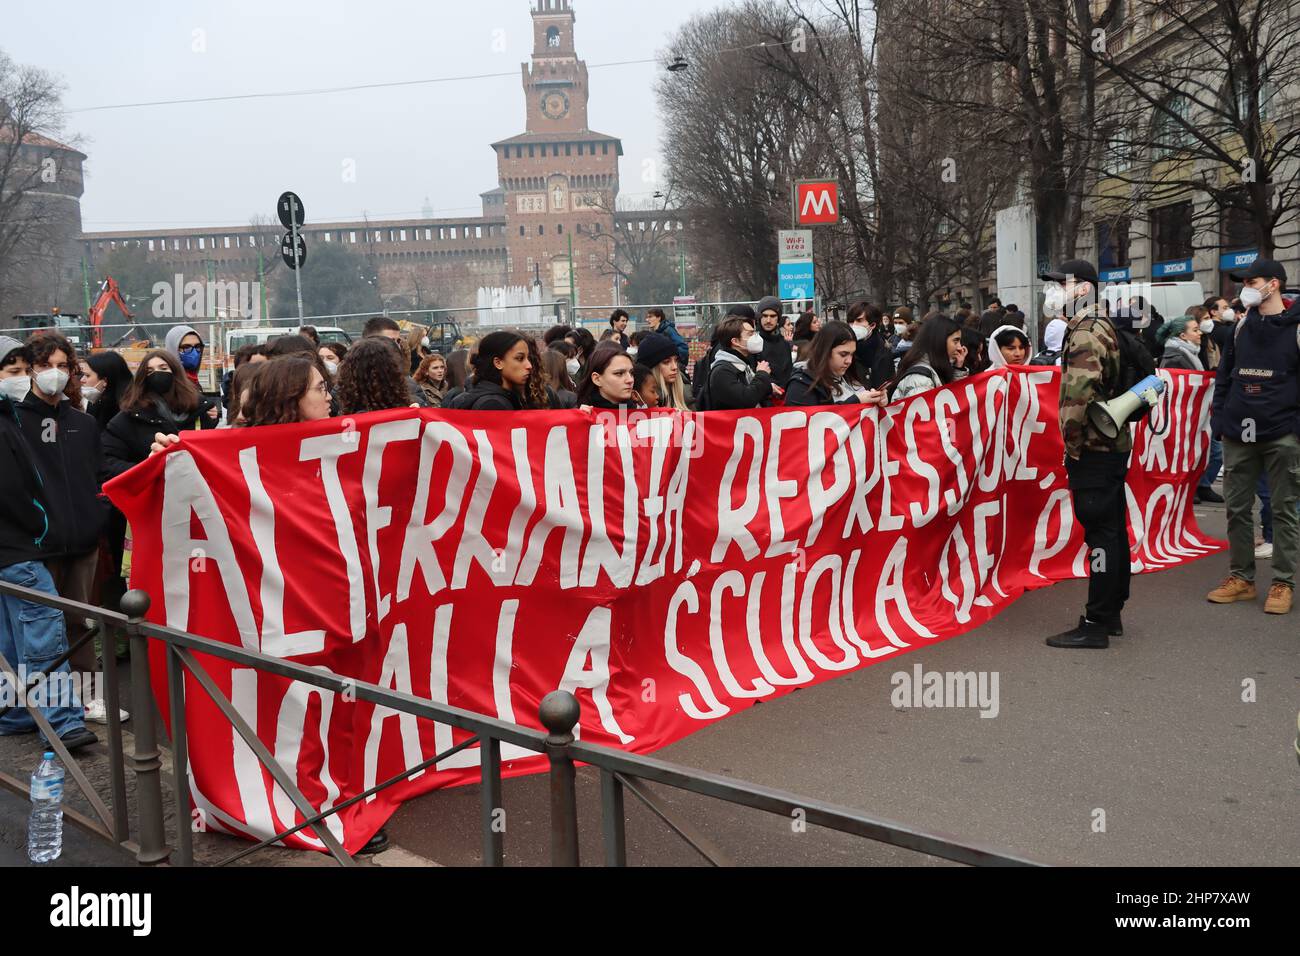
816,202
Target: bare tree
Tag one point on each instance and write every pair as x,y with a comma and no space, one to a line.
1196,96
33,222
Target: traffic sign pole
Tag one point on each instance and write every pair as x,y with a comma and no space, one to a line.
297,264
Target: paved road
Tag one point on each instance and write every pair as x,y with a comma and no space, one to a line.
1153,732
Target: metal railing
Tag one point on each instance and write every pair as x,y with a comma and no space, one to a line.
620,772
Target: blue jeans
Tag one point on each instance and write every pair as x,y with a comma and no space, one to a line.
31,636
1216,463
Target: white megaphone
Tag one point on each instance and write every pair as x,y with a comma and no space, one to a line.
1110,417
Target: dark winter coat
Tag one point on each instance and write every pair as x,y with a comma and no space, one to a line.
129,436
803,392
23,521
487,397
776,353
1258,379
733,384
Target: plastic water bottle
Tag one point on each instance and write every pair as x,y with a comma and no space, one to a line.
45,825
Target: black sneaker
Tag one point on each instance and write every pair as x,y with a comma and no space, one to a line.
76,739
376,844
1087,634
1204,494
1116,628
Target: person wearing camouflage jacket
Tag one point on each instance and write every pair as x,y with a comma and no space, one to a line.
1091,370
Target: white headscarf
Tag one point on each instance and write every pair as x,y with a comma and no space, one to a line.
996,358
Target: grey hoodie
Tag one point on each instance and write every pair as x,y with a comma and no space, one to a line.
174,335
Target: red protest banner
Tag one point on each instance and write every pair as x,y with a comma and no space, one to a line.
668,569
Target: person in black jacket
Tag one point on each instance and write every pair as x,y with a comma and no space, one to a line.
501,371
829,377
618,323
65,444
777,348
104,385
609,379
874,359
161,400
32,636
732,383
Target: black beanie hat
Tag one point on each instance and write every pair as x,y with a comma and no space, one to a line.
653,349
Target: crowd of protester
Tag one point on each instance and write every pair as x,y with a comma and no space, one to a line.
70,422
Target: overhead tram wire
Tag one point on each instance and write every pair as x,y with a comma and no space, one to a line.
394,84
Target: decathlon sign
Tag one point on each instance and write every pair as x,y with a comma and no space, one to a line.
816,202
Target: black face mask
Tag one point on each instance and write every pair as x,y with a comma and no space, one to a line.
160,383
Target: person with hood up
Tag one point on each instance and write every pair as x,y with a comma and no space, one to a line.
776,347
1053,342
184,342
1181,338
1008,345
830,377
1257,417
732,383
32,636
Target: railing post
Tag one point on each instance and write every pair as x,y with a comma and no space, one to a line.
560,712
146,760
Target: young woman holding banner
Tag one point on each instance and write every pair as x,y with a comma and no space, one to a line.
830,377
932,359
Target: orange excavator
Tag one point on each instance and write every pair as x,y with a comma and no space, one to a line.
109,293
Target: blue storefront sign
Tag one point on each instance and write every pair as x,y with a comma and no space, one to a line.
1115,275
1232,261
1178,267
796,280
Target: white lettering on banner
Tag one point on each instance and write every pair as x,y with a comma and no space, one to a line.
185,493
503,660
850,615
592,646
995,414
754,632
327,449
677,499
921,516
380,516
659,430
261,521
891,589
821,498
734,582
394,675
888,521
600,553
733,523
686,596
563,510
417,546
1057,503
1027,424
250,782
774,487
864,482
833,565
291,727
945,403
956,544
985,562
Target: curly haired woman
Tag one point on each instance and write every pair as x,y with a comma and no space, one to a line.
372,379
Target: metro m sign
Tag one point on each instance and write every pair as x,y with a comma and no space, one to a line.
816,202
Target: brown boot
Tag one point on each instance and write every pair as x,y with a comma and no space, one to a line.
1233,589
1279,600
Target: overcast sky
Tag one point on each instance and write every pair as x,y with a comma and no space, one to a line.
220,163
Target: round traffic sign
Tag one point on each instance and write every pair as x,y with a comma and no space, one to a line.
286,250
290,209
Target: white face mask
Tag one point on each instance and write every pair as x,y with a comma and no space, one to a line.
15,389
1054,299
900,328
754,343
52,381
1251,297
332,367
860,332
572,366
632,351
1207,326
90,394
1228,315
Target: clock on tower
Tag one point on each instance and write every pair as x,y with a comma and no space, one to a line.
555,104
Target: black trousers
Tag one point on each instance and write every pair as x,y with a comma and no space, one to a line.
1097,491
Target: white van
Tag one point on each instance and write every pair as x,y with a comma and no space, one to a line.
1170,299
236,339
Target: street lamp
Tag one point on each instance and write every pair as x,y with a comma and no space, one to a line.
678,64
